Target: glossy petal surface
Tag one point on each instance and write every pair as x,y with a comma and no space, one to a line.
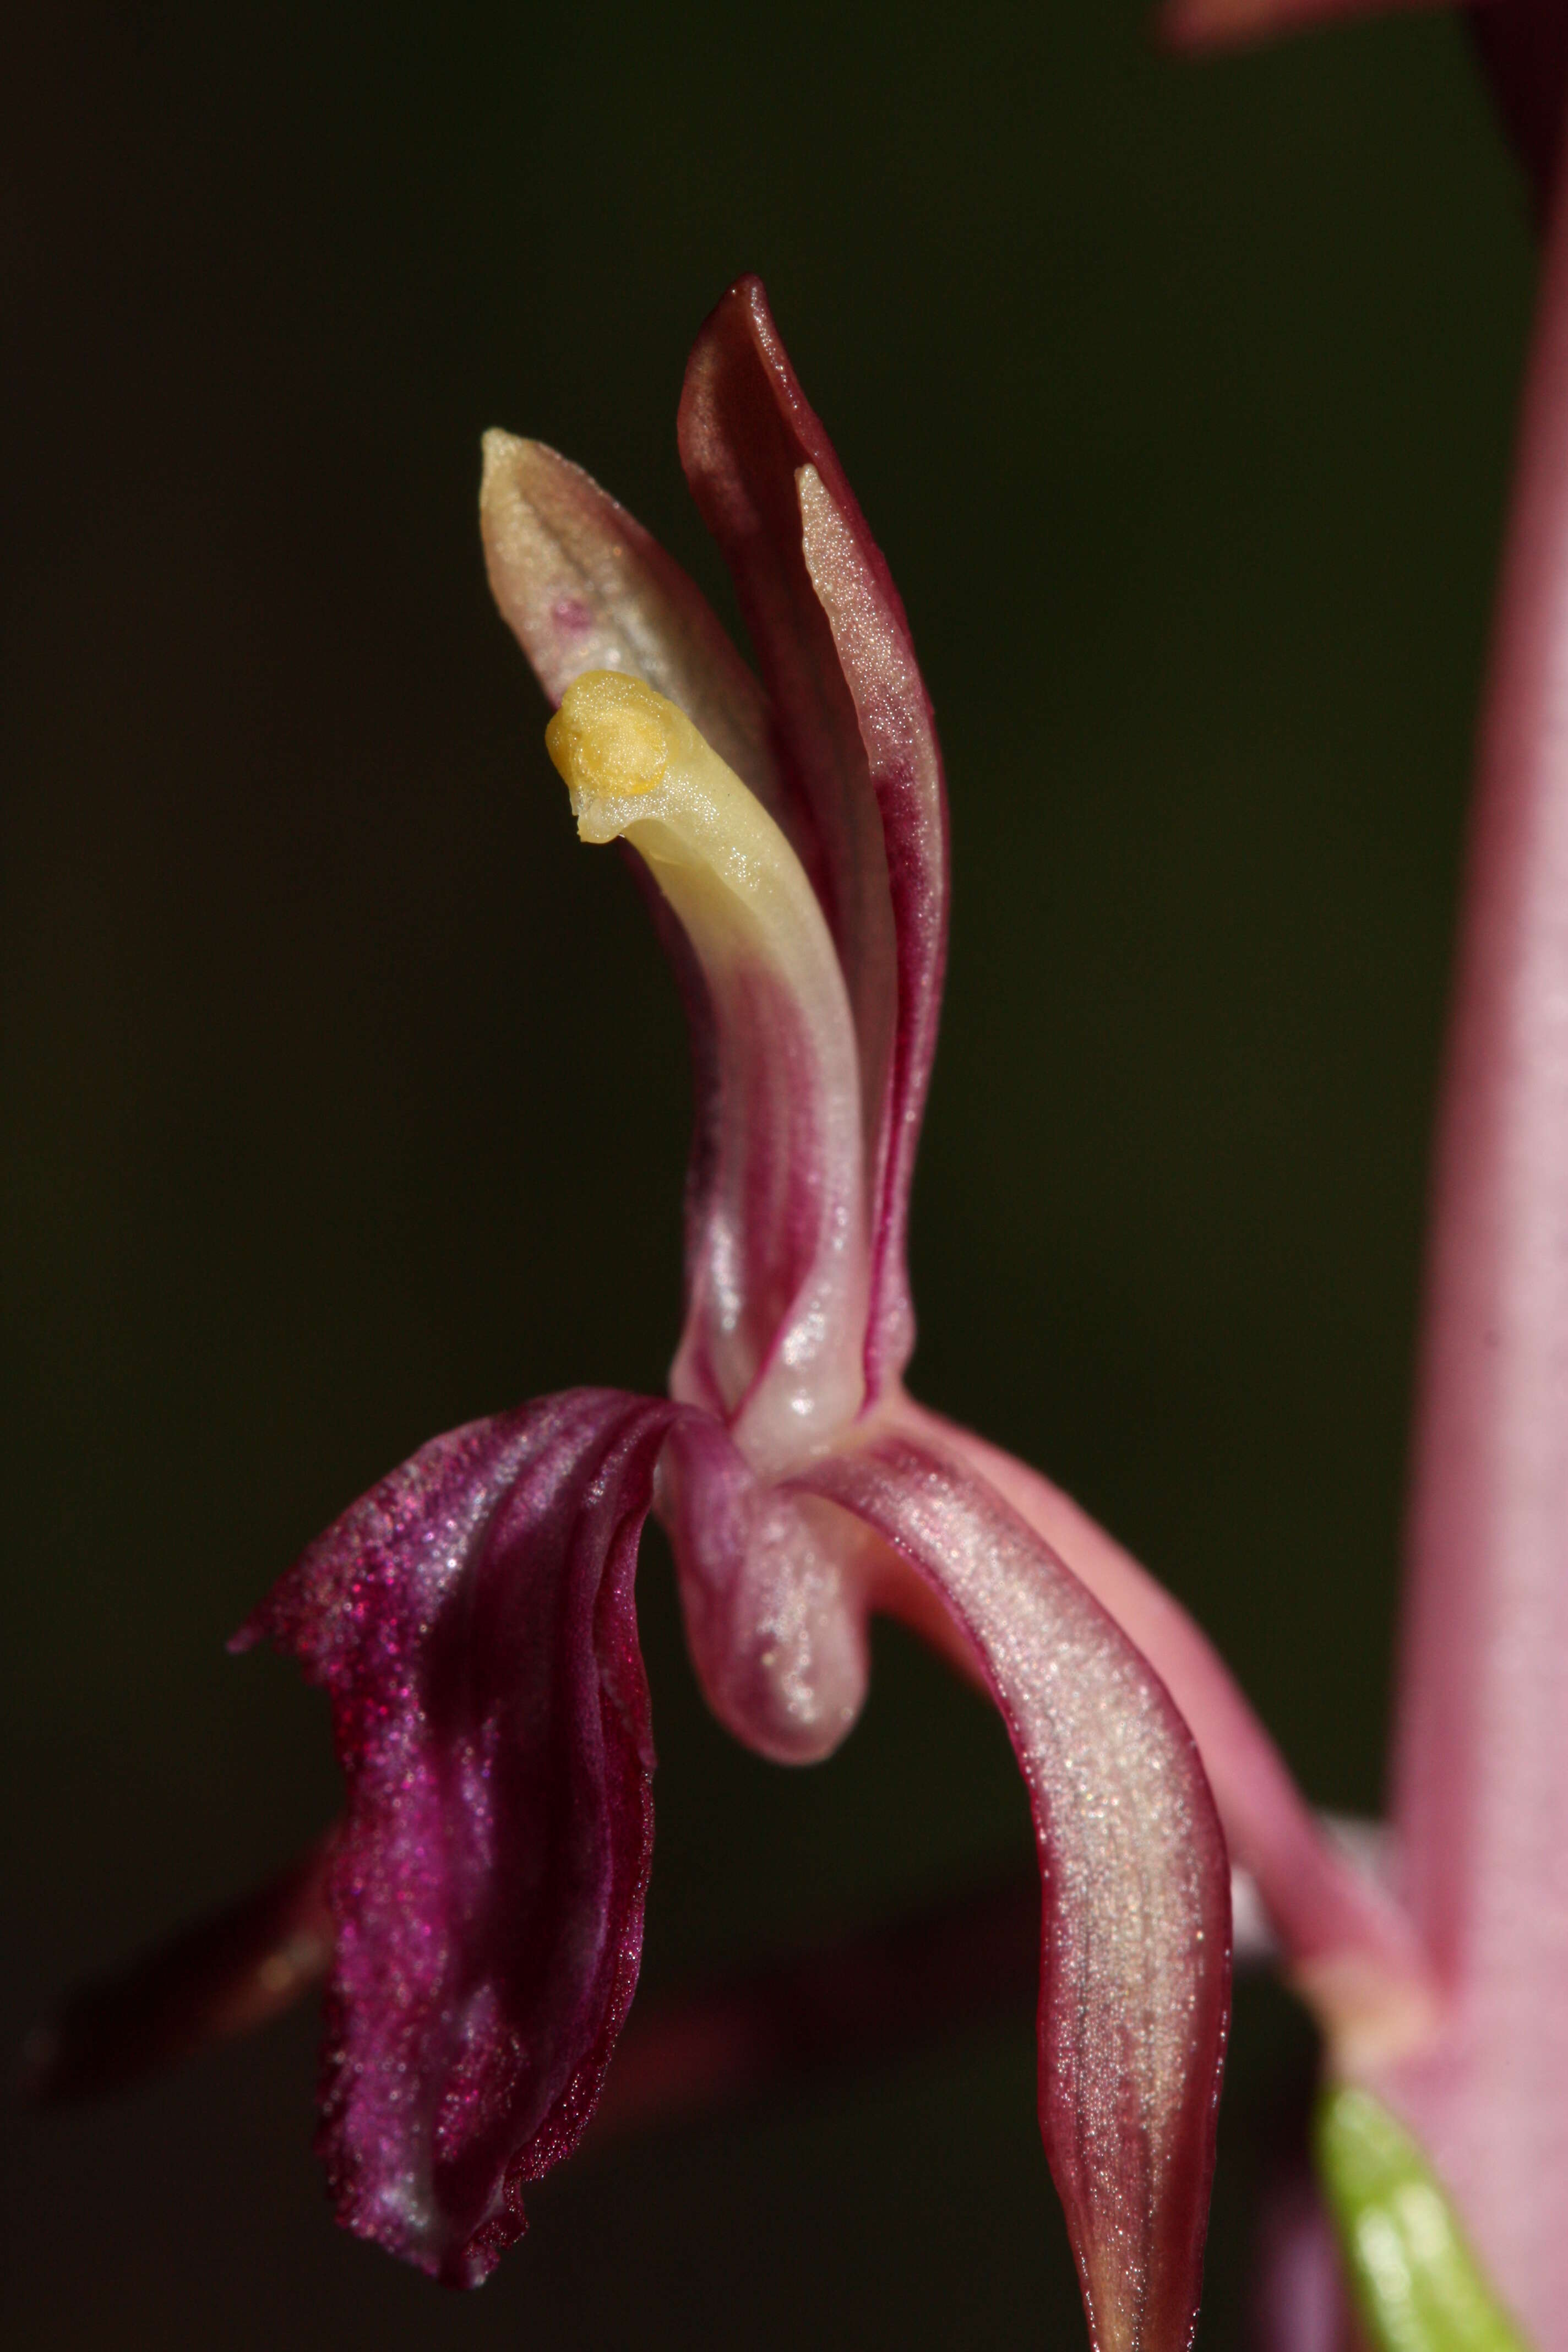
1134,1980
777,1270
472,1618
854,733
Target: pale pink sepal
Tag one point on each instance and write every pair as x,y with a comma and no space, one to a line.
905,767
1134,1976
1347,1943
1481,1760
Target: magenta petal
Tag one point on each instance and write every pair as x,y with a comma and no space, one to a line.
472,1618
855,730
1135,1965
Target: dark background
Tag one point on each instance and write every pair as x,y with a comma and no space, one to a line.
343,1094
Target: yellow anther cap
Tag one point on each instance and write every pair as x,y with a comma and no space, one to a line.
612,735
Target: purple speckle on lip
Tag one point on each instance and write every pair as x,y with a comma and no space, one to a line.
572,616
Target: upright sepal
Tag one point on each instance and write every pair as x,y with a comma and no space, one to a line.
854,731
1135,1959
472,1618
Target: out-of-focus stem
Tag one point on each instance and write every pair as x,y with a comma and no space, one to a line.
861,1999
1481,1763
227,1974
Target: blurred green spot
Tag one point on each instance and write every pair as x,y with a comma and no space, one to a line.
1417,2286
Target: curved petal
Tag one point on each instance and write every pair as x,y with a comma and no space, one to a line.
1135,1968
472,1618
855,729
1353,1954
775,1604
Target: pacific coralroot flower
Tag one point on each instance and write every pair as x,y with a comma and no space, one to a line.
473,1619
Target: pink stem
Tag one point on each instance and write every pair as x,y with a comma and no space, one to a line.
1481,1758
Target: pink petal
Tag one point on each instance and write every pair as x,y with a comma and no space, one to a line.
856,732
1350,1949
1135,1970
473,1621
1482,1758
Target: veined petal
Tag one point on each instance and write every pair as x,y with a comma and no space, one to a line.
776,1301
472,1618
1351,1952
854,729
1135,1966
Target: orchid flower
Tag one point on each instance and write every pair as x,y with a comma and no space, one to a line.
472,1618
1479,2099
